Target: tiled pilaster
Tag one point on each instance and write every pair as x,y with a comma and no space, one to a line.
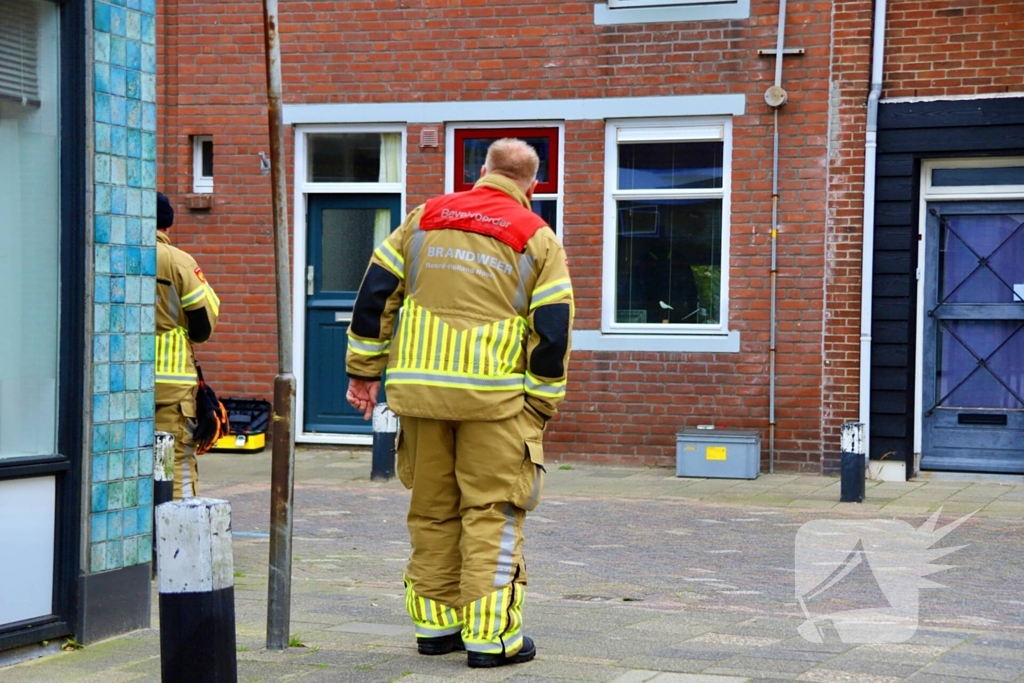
124,127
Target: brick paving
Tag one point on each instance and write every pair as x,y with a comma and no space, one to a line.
636,576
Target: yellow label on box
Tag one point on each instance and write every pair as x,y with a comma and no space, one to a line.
691,448
715,453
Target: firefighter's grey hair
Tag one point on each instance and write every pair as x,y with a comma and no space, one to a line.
514,159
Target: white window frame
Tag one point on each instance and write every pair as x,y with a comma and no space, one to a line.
613,12
201,184
303,188
628,4
449,158
667,130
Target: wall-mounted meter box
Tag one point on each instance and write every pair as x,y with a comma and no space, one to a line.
718,453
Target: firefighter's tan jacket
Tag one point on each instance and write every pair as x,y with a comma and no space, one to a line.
465,324
180,287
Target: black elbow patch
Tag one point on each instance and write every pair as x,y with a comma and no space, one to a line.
551,323
379,284
199,328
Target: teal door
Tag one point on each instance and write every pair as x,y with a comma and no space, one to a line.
343,232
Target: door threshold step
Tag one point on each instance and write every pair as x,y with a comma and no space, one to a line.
970,476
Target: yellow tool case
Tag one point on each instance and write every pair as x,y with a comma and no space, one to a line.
249,419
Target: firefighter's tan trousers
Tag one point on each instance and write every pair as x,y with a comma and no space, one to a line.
472,483
179,419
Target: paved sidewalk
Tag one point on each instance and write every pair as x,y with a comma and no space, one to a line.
635,576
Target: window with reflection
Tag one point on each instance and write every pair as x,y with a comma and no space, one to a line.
669,227
471,146
29,228
354,157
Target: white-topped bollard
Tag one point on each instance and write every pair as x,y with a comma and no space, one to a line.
385,431
163,476
197,591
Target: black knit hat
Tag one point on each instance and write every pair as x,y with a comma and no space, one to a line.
164,212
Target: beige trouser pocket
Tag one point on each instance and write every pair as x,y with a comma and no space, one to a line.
402,465
530,483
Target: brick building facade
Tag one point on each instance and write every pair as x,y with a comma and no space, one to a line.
387,103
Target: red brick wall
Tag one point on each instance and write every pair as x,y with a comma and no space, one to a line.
942,48
211,81
851,66
621,407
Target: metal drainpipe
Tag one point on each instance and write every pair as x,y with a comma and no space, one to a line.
775,96
868,247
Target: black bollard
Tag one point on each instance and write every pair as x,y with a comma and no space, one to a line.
853,465
385,430
197,592
163,476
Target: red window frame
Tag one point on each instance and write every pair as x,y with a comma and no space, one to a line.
463,134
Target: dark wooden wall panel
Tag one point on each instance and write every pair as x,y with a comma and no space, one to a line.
909,132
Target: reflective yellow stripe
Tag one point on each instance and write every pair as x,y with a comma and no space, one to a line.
211,297
540,388
391,258
368,348
193,297
175,379
550,292
171,358
455,380
434,353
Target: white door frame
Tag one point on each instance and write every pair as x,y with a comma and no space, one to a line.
929,193
303,188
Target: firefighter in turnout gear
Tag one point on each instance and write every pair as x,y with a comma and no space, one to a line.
469,307
186,313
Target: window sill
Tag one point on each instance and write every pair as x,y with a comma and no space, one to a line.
595,340
603,16
200,201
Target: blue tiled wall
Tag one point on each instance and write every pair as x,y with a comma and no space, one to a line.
124,108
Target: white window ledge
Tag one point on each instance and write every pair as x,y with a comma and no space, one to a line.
595,340
603,16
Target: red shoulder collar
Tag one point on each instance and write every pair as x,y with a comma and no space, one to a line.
485,211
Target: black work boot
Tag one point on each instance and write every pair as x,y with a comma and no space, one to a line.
483,660
441,645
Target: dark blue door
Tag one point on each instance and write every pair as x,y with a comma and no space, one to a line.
973,392
343,232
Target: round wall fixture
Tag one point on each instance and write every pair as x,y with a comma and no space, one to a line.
775,96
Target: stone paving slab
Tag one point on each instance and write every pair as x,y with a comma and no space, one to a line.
635,576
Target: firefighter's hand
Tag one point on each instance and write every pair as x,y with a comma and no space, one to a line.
362,394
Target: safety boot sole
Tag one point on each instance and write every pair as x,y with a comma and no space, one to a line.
482,660
441,645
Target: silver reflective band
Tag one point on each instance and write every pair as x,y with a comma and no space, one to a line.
425,632
503,576
366,348
385,252
540,388
549,292
454,379
531,502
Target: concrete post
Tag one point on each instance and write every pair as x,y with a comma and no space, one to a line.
197,592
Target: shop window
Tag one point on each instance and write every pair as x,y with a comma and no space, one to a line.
29,228
471,151
19,34
666,228
202,164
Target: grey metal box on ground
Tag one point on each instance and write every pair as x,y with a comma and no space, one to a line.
724,453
